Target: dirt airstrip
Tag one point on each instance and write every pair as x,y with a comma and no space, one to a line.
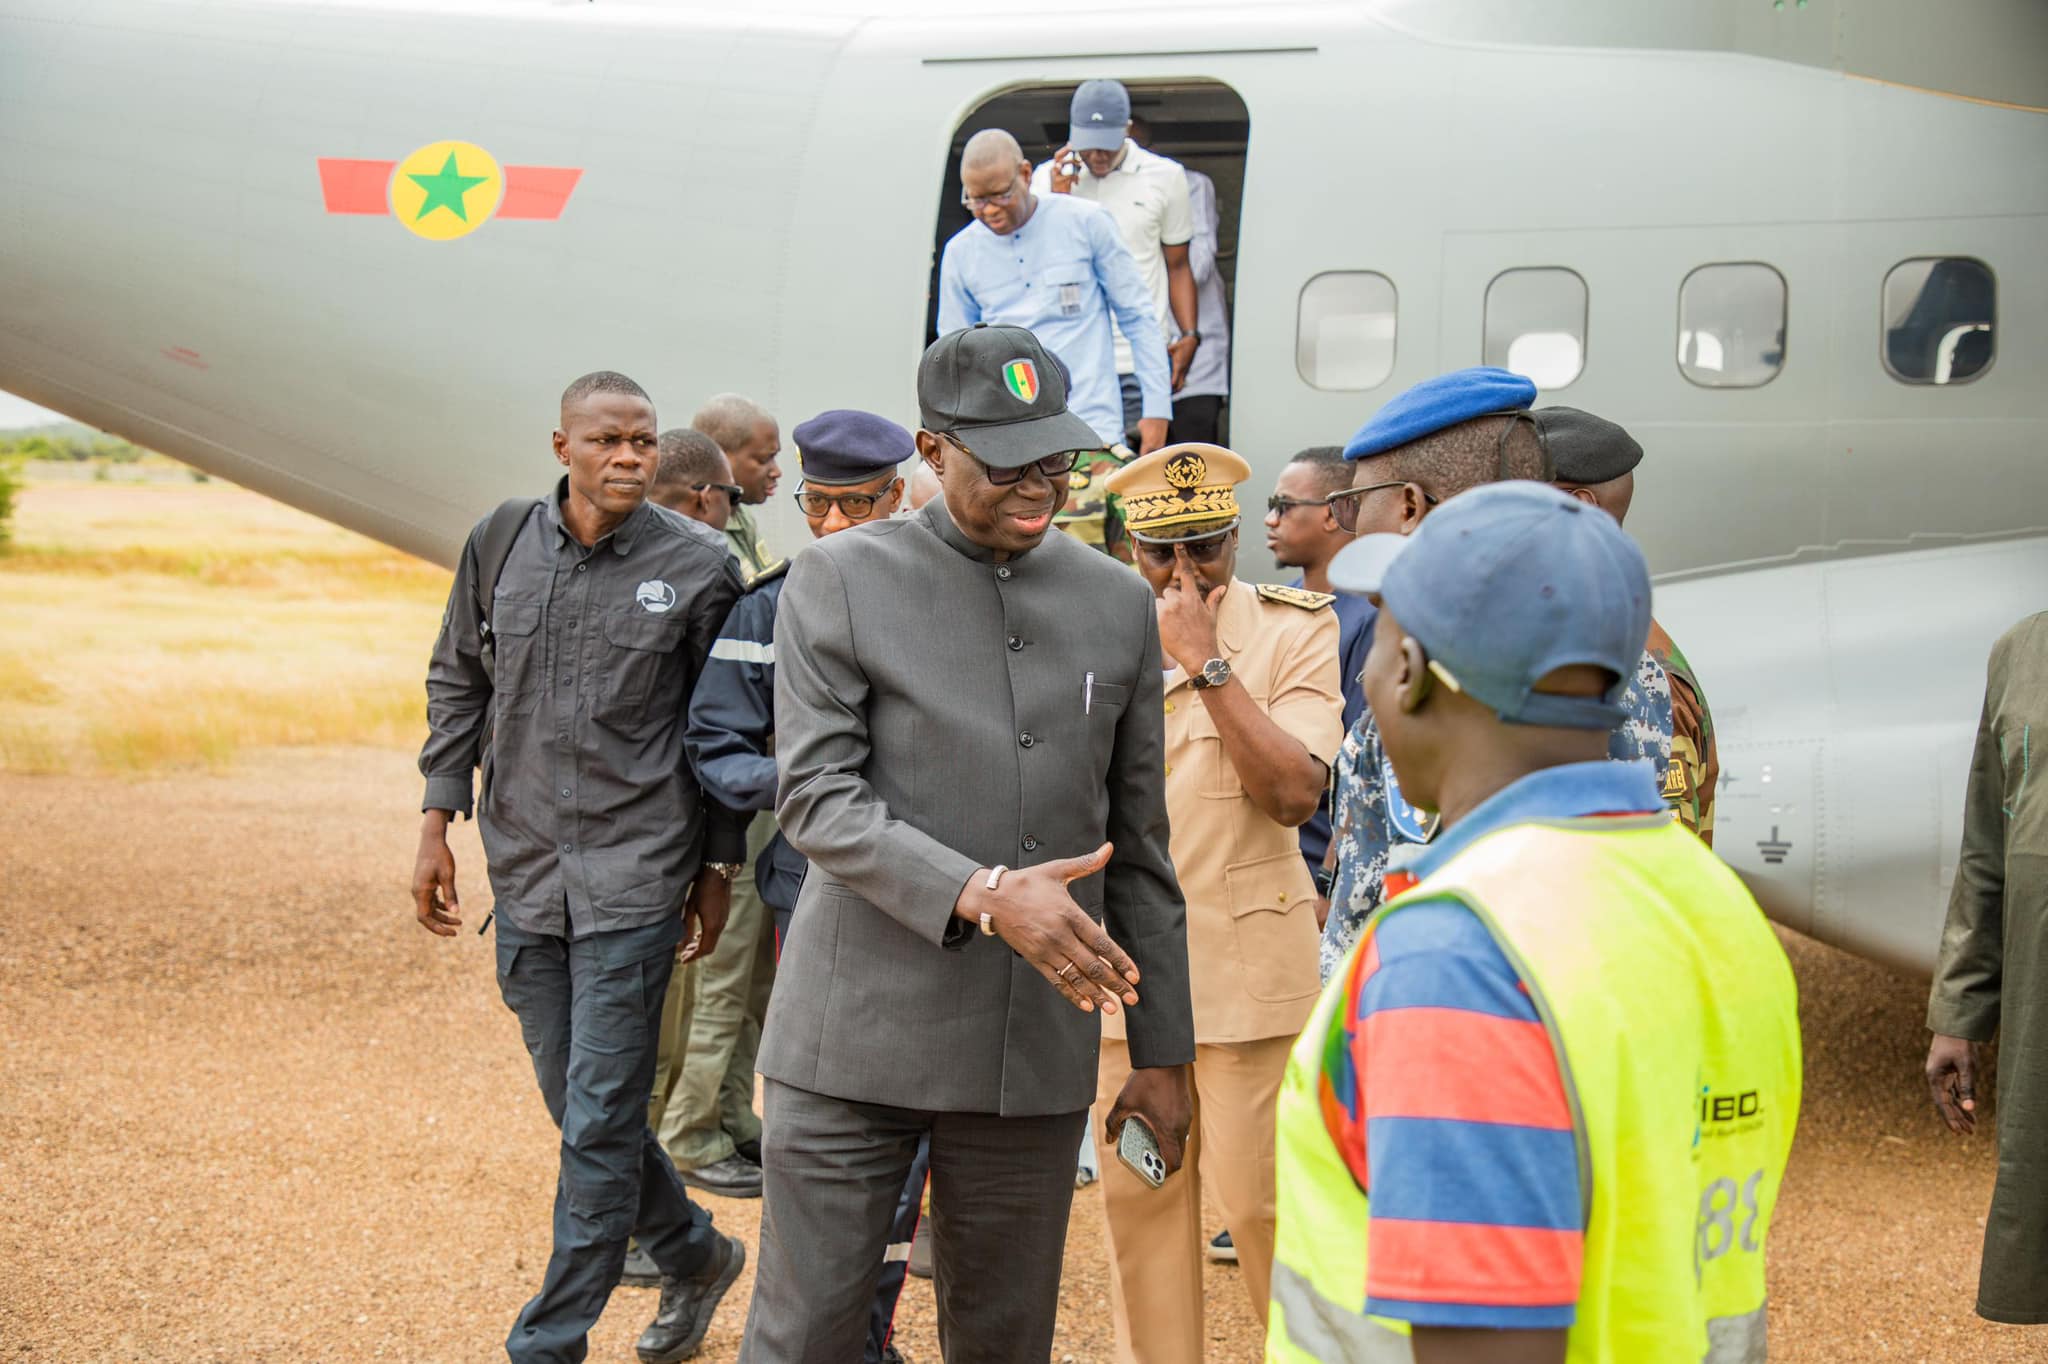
250,1111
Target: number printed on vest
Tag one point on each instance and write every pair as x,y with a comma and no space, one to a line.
1718,1233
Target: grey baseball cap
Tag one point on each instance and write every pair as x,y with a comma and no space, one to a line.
1098,115
1507,583
1002,393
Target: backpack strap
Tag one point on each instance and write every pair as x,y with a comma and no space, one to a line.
493,548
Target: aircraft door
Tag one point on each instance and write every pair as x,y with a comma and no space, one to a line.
1203,124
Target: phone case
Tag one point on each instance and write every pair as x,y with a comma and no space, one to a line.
1137,1148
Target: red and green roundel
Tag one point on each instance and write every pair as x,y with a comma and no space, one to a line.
1021,378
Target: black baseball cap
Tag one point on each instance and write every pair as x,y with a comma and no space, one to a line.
1002,393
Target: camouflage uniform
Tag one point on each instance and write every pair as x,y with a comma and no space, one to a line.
1695,766
1372,819
1091,509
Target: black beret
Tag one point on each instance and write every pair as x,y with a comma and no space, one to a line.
846,446
1585,448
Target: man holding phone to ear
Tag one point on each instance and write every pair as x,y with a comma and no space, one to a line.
971,757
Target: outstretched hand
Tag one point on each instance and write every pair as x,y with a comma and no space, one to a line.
1033,912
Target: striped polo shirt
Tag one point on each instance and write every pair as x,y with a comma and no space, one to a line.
1448,1100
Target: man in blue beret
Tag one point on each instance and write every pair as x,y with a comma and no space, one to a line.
1442,437
848,461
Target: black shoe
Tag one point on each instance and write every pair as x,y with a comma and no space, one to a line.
892,1355
687,1305
1221,1248
641,1271
749,1150
733,1177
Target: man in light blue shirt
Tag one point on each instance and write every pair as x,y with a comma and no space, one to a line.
1057,266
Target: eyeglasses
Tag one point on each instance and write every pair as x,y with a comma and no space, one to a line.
1344,503
972,202
1052,466
733,491
1284,505
1203,551
853,506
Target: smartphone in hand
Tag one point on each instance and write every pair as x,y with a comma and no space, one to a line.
1138,1148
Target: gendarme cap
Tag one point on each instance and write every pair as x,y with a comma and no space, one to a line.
1504,585
1002,393
849,446
1097,116
1585,448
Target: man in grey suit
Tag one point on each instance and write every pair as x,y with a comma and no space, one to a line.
969,726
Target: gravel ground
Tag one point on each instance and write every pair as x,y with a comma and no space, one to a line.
249,1111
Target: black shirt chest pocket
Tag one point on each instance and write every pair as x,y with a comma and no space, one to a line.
640,671
516,659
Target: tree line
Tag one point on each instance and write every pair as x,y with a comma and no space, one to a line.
66,447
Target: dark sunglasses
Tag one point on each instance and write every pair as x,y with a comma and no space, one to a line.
1052,466
733,491
1343,503
1203,551
853,506
1284,505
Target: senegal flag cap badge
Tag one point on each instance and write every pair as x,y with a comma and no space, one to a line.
1020,376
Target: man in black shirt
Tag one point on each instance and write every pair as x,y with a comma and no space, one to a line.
565,670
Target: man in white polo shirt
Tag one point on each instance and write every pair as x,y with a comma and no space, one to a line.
1147,196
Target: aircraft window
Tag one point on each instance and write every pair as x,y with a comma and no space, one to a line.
1731,325
1939,319
1536,324
1344,330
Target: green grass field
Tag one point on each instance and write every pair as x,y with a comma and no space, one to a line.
146,626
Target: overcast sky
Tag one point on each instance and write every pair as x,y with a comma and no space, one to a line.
21,412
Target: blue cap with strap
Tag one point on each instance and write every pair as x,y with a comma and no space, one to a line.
1438,404
847,446
1504,585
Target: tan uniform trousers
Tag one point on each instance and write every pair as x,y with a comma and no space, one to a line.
703,1097
1155,1235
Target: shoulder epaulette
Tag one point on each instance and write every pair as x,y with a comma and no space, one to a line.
1295,596
768,574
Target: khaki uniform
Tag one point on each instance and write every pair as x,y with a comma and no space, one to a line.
1252,944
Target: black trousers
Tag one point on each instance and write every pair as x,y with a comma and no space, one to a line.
833,1171
589,1009
1199,418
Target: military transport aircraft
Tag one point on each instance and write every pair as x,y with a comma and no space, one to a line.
348,252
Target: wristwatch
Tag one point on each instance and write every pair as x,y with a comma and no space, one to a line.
728,870
1214,673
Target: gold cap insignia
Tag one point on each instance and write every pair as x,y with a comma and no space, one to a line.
1187,471
1182,485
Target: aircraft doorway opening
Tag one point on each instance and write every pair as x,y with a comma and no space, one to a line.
1202,124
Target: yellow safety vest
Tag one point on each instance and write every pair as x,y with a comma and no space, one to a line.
1673,1010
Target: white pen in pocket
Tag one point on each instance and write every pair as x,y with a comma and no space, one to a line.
1088,694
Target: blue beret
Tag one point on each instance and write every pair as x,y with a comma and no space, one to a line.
845,446
1440,403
